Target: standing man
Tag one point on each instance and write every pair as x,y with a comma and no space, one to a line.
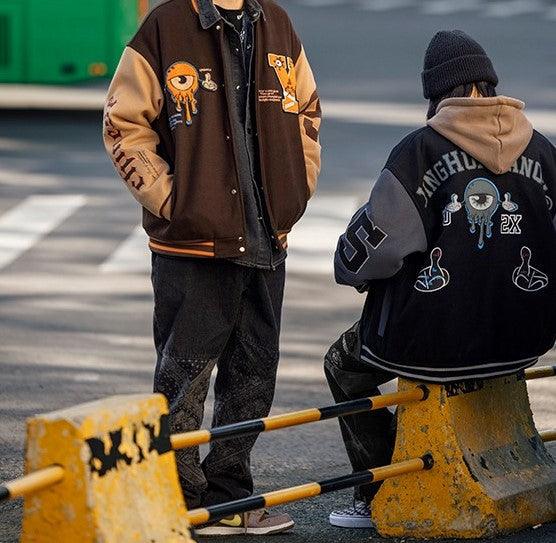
212,121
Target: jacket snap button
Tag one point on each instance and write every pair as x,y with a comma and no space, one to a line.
227,137
218,27
240,238
242,249
233,191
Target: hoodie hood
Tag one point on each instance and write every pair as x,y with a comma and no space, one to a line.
494,131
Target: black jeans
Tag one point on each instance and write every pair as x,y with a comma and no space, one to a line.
368,437
207,314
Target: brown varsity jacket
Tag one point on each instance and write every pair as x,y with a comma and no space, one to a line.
167,130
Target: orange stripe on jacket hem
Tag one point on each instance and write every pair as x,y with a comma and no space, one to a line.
184,251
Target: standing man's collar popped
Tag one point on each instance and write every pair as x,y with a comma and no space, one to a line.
209,14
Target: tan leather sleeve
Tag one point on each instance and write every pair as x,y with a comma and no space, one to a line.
309,119
134,101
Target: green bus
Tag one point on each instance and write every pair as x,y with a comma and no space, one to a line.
64,41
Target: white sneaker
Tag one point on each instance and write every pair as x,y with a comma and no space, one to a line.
356,516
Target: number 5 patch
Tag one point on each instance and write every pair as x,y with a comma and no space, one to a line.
362,235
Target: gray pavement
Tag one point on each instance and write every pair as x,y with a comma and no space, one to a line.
71,332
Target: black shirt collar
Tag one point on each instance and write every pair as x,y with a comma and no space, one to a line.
209,14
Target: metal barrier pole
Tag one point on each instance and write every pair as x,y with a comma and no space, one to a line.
548,435
309,490
29,484
539,372
287,420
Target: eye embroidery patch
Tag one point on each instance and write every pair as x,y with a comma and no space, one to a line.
285,71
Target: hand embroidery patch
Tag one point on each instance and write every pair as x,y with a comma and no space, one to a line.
433,277
208,82
285,71
526,277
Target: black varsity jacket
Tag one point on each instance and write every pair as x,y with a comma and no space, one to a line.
457,247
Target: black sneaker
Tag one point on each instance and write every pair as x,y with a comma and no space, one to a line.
356,516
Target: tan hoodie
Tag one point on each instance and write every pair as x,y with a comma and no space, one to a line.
494,131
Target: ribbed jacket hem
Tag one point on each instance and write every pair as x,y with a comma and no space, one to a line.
450,374
227,248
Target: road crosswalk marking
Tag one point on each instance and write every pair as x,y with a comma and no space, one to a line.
24,225
132,256
311,244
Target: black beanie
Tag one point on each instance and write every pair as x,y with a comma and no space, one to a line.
452,59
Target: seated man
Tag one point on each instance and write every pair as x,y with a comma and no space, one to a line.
456,248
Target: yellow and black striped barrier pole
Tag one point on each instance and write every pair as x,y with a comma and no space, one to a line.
45,478
29,484
278,497
287,420
540,372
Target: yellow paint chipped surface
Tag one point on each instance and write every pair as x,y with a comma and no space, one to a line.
492,473
135,503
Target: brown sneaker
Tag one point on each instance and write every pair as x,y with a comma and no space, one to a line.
259,522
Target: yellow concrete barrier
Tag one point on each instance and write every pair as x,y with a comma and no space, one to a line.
119,482
492,473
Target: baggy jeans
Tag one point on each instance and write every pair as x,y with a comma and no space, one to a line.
368,437
216,313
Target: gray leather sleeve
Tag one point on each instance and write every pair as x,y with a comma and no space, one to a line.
380,235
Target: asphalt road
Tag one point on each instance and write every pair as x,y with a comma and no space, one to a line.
75,306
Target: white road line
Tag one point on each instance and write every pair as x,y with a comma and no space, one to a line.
380,113
412,115
312,243
132,256
551,14
385,5
446,7
511,8
320,3
26,224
